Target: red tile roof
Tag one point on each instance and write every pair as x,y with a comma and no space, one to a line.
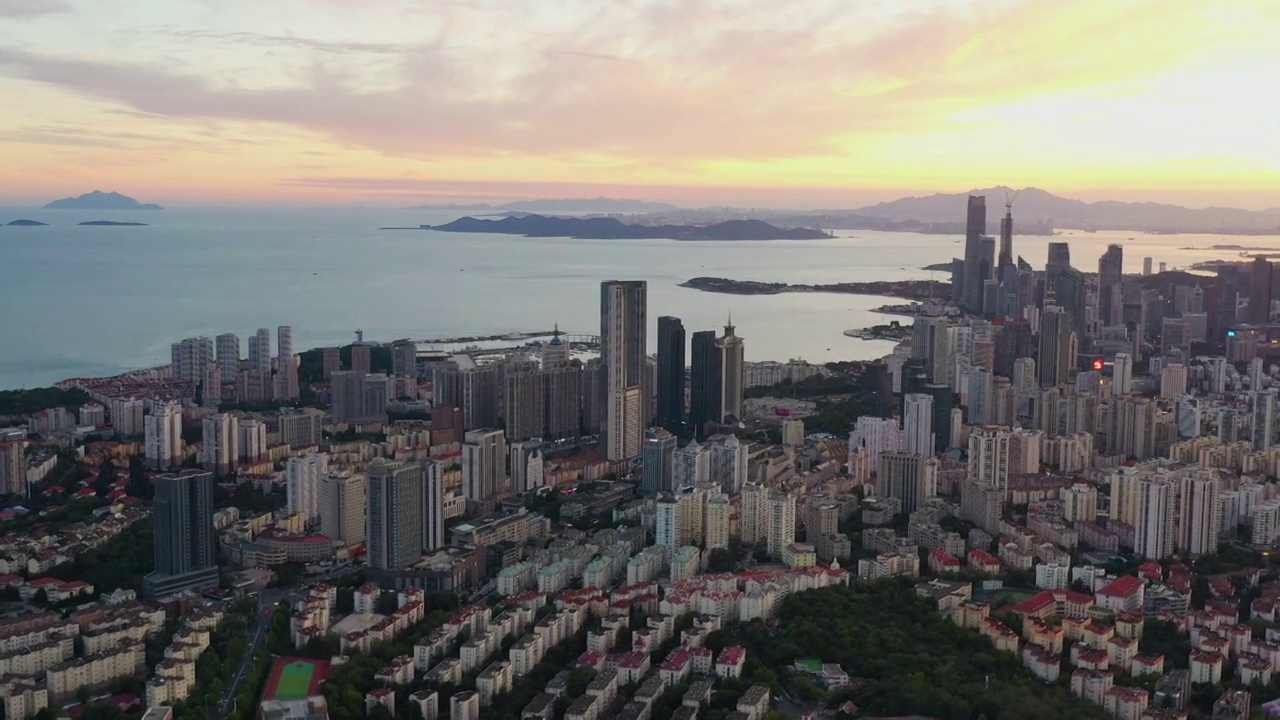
1122,587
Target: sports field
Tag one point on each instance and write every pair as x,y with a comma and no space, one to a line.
295,678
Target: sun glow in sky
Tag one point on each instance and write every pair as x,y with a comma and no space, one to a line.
802,103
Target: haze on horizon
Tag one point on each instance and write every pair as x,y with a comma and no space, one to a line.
825,103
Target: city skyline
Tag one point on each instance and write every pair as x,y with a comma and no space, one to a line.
310,101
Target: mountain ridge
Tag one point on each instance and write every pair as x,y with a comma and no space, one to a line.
614,229
98,200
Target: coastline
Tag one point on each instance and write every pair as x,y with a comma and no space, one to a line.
914,290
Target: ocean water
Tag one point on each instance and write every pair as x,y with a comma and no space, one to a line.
78,300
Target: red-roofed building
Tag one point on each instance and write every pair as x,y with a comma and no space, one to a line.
592,659
676,667
941,561
1122,594
1151,571
1147,665
731,661
984,562
1055,603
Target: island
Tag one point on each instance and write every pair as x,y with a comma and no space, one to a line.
98,200
893,331
113,223
606,228
938,267
25,223
921,290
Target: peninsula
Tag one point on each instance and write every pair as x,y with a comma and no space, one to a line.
907,289
113,223
98,200
25,223
601,228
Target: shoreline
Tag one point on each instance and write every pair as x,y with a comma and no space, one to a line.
914,290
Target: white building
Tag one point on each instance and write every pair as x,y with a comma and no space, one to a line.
917,424
221,442
302,485
691,465
781,520
484,462
342,507
162,431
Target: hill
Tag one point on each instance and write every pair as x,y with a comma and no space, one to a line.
25,223
614,229
98,200
578,205
1034,206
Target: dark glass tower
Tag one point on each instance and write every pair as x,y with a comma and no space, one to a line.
670,373
704,380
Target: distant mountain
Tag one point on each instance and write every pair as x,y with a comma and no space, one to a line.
98,200
579,205
1035,206
614,229
25,223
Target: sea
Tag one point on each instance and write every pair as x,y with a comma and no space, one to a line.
93,300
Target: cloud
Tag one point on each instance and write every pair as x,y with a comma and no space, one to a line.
662,82
28,9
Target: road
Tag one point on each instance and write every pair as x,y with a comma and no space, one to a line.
266,611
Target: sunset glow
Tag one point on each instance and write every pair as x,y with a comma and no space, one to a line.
811,103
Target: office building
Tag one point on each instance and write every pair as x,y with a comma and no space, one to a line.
1057,347
357,397
670,373
656,462
705,382
732,381
1173,380
433,506
1260,291
917,424
1264,419
301,428
162,435
228,356
221,442
989,457
404,358
303,476
183,528
976,272
343,500
395,518
1110,273
623,312
484,462
910,479
526,466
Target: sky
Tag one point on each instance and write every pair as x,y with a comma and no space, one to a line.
806,103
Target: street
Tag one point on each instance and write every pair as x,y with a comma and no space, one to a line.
266,611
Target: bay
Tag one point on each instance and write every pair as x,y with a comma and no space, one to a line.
77,300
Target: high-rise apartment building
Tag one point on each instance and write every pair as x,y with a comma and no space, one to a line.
1198,513
705,383
191,358
1155,529
781,523
433,507
623,313
221,447
260,351
667,528
228,356
691,466
875,436
670,373
732,379
524,403
989,457
563,404
162,436
252,442
917,424
526,466
361,358
911,479
358,398
404,358
728,463
330,361
13,467
286,365
656,462
716,524
1122,374
1260,290
1057,347
183,528
395,518
343,500
753,523
301,428
484,462
303,477
1264,419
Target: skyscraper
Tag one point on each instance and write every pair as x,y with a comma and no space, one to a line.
331,361
361,358
704,381
303,476
780,521
1264,419
1122,374
1198,514
433,507
13,467
286,365
526,466
404,358
184,543
917,424
484,462
670,373
563,404
228,355
357,397
909,478
1057,347
395,519
525,404
343,499
732,374
1059,255
623,312
989,457
1110,273
260,351
1260,290
656,461
975,229
1154,531
191,358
